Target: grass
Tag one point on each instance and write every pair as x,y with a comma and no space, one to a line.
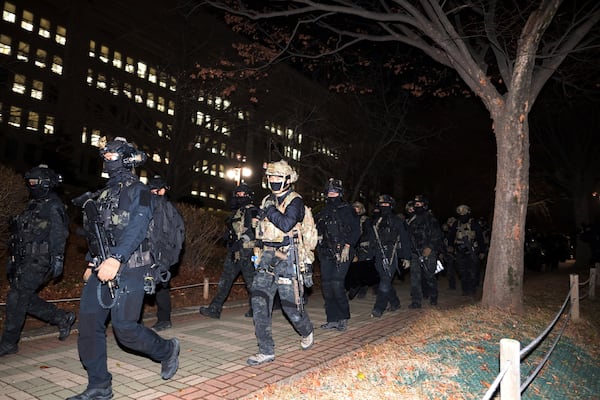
453,354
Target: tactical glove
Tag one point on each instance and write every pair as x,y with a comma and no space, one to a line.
406,264
345,256
481,256
56,264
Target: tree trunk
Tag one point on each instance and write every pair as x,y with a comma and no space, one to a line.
503,285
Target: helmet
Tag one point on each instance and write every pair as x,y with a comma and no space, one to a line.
157,182
334,185
130,156
282,168
463,210
360,206
245,189
43,177
386,198
421,199
409,206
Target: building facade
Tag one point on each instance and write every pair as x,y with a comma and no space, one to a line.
74,73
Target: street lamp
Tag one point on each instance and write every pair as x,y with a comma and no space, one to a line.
238,174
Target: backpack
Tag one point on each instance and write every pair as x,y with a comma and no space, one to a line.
166,233
307,229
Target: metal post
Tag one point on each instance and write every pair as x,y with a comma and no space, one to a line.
510,386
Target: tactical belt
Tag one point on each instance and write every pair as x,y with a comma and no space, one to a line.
139,259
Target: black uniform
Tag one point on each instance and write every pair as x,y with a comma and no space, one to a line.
240,239
389,243
125,206
425,233
466,240
362,272
38,238
338,227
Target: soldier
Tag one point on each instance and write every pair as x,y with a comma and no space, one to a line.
426,243
389,243
37,245
467,244
339,230
172,221
280,213
125,206
240,240
362,272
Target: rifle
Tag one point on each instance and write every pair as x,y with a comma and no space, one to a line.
100,245
298,279
384,259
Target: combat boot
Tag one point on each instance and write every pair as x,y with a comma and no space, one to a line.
307,341
330,325
7,348
259,358
170,365
65,325
94,394
210,312
342,325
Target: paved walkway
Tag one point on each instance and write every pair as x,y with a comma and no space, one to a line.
213,353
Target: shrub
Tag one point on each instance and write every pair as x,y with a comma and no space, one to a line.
13,197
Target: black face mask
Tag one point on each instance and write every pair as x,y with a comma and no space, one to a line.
38,192
463,218
276,186
239,202
420,210
333,200
114,168
385,210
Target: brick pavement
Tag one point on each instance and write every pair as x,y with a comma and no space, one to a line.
213,354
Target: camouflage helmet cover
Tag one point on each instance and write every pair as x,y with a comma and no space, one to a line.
463,209
360,207
282,168
244,188
334,185
386,198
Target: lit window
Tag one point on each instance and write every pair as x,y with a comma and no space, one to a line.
114,87
225,130
117,60
57,65
49,126
299,138
44,30
218,103
150,100
27,21
61,35
226,104
213,171
141,69
156,157
202,193
33,121
40,58
84,135
222,171
152,75
5,43
161,104
139,95
104,54
101,81
15,117
223,151
162,80
171,109
199,117
96,137
173,85
159,128
23,52
92,51
129,67
90,77
19,84
240,115
37,89
127,90
8,14
290,134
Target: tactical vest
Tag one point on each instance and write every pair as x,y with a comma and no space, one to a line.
113,206
266,230
32,229
464,232
239,227
387,233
